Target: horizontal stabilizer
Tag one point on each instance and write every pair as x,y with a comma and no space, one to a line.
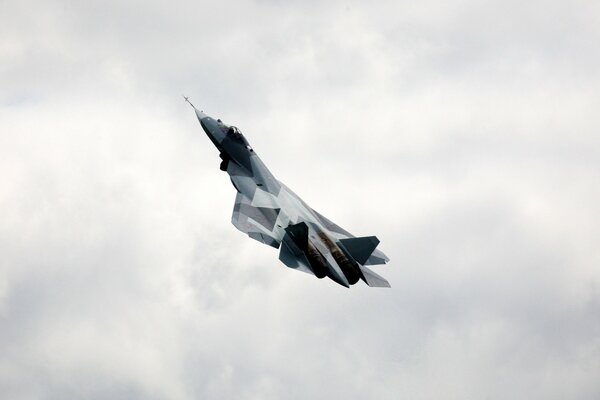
372,279
360,248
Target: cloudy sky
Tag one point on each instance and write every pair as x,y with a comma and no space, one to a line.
464,134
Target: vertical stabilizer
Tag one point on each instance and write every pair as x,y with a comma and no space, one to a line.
360,248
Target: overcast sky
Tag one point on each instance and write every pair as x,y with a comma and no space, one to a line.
464,134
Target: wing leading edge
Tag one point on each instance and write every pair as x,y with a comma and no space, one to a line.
257,222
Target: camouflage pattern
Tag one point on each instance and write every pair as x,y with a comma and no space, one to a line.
268,211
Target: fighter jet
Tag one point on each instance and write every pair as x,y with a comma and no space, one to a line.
268,211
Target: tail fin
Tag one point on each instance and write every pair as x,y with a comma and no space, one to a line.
299,234
360,248
372,279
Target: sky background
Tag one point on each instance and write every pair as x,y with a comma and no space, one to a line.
464,134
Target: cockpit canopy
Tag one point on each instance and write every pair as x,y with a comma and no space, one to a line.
234,131
235,134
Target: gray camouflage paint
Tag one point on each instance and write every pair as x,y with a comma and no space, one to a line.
268,211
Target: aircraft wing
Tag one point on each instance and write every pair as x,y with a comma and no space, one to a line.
332,226
257,222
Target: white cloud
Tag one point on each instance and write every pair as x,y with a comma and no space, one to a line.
463,134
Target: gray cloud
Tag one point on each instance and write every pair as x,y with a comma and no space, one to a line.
463,134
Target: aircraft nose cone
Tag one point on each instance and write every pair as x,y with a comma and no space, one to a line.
200,114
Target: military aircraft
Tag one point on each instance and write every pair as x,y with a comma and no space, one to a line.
268,211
